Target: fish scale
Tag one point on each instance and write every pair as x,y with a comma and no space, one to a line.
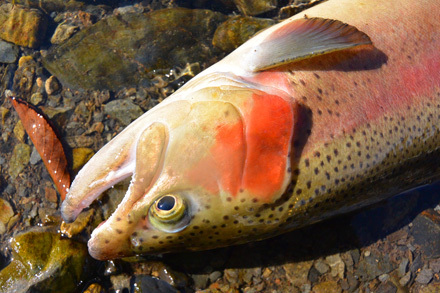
361,81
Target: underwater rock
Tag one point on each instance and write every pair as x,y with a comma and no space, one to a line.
144,283
374,265
8,52
63,32
237,30
123,49
80,157
52,85
426,233
44,262
255,7
52,5
22,26
6,213
123,110
19,160
24,76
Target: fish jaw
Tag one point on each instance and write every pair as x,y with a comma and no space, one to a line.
116,160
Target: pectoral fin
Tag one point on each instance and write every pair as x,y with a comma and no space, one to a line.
301,39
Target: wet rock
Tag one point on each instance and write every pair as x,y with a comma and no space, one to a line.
94,288
63,32
123,110
50,194
3,113
6,213
255,7
59,115
122,50
297,273
80,157
321,267
431,288
374,265
327,287
402,267
24,76
434,265
37,98
19,131
52,85
424,276
21,25
237,30
19,159
35,157
214,276
200,281
405,279
146,284
416,264
51,5
43,261
337,265
8,52
426,233
296,7
121,282
79,141
386,287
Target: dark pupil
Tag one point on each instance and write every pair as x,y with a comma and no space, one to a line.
166,203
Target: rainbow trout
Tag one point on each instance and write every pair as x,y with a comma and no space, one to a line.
331,110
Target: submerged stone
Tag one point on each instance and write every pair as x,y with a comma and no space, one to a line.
21,25
19,160
237,30
255,7
6,213
426,233
123,110
8,52
124,49
43,261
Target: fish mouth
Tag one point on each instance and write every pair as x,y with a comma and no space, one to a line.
89,191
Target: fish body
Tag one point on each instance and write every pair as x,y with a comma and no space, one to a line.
279,134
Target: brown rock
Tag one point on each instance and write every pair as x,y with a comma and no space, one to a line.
21,25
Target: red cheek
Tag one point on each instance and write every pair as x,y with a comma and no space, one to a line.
253,156
269,127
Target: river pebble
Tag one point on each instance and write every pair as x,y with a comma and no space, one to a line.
19,160
124,111
8,52
424,276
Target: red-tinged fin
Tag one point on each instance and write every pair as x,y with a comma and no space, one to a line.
304,38
47,144
269,128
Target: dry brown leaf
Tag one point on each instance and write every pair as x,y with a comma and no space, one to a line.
46,142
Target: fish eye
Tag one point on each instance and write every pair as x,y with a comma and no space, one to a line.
169,213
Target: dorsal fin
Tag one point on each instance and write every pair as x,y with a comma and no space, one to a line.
301,39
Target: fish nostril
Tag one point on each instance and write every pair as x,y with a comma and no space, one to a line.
166,203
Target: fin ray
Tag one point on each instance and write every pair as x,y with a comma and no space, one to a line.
301,39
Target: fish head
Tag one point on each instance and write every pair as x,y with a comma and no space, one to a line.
191,188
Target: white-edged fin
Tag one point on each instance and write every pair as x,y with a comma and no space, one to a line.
301,39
